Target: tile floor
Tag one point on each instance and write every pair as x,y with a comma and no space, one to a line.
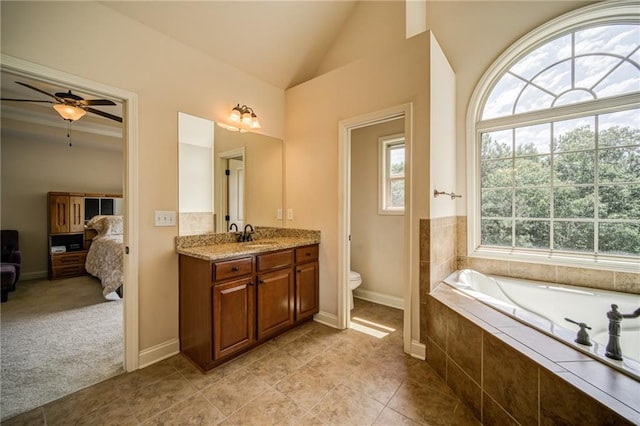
311,375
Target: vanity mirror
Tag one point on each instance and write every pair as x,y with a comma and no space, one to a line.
251,190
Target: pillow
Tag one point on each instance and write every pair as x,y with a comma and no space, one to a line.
106,225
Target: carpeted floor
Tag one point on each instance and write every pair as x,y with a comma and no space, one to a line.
57,337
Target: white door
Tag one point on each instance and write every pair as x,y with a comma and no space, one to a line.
236,192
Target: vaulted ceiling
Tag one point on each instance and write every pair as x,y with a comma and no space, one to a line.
280,42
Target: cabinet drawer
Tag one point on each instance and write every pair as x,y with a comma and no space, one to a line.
231,269
275,260
67,271
304,254
69,259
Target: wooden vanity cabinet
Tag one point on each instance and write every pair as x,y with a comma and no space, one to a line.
229,306
233,317
275,293
307,282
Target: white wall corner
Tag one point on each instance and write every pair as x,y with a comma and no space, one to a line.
415,17
159,352
327,319
418,350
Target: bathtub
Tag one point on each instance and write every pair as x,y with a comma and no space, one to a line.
544,306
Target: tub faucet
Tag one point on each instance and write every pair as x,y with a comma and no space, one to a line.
613,349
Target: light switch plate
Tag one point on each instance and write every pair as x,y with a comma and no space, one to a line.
289,214
279,214
165,218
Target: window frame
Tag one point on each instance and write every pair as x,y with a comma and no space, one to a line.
385,144
624,11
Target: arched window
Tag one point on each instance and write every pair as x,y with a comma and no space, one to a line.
554,143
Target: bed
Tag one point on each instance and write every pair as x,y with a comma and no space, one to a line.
105,256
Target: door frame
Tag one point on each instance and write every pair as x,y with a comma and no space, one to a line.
221,206
344,212
130,183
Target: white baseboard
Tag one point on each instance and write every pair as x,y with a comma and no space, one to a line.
379,298
159,352
418,350
326,318
33,275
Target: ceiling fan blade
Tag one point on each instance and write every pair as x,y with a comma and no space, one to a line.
40,90
103,114
25,100
97,102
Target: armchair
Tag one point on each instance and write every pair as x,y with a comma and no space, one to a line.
11,261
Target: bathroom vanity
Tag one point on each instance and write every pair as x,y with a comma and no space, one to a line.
234,296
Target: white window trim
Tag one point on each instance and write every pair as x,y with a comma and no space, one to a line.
599,13
383,143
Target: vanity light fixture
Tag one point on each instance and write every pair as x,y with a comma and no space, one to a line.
243,117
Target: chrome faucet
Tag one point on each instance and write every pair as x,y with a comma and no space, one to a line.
613,349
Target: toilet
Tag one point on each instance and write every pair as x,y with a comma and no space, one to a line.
354,281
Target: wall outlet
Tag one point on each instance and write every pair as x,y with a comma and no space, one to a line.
289,214
279,214
165,218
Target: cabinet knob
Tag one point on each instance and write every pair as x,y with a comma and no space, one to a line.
235,269
308,253
251,283
261,281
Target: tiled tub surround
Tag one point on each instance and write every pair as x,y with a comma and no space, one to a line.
509,373
222,246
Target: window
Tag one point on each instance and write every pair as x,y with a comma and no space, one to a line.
556,147
391,188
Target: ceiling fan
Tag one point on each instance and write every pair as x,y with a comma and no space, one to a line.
70,106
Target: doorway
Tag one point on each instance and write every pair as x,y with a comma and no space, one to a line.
232,191
130,183
344,223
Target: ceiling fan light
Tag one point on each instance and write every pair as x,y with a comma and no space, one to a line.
69,112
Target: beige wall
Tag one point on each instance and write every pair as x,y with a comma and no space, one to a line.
377,241
390,78
168,77
472,34
33,165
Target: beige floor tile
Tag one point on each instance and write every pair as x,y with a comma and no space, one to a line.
130,383
305,387
71,408
423,404
275,367
372,381
195,410
163,394
464,417
269,408
305,348
234,391
30,418
344,406
388,417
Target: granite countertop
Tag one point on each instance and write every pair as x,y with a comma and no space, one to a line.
216,247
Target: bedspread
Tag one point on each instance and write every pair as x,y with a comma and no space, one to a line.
105,261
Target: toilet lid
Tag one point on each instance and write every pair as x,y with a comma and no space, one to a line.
353,275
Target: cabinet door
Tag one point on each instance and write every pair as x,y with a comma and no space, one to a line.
275,302
59,214
233,317
76,214
307,290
